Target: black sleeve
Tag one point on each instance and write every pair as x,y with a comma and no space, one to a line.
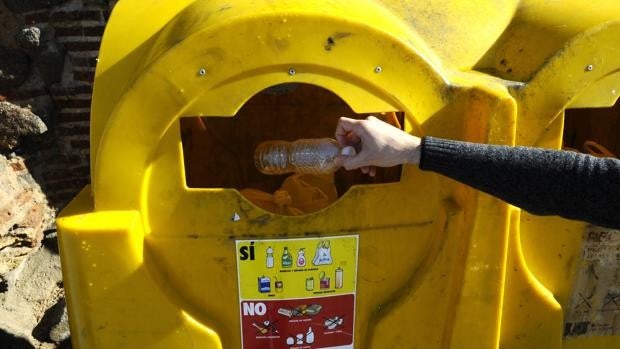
540,181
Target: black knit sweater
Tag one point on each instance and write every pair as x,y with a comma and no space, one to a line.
540,181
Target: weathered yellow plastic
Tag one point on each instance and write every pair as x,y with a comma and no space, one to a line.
150,263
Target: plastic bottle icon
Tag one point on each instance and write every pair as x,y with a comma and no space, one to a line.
269,261
287,259
313,156
339,278
301,258
309,336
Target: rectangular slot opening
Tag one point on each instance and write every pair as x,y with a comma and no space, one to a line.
593,130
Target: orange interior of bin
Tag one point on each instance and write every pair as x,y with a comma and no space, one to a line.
601,125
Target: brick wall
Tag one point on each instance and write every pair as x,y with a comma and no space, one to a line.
59,160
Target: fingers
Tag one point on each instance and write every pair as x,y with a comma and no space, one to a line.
369,170
348,131
352,138
355,162
351,132
343,128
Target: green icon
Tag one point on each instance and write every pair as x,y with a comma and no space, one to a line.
287,259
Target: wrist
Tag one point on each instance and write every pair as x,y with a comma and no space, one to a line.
414,150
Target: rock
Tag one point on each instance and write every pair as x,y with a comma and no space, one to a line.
29,39
50,240
54,325
20,220
47,54
41,106
36,288
21,6
24,215
9,341
66,344
60,332
96,2
34,81
50,63
16,121
30,274
9,25
14,68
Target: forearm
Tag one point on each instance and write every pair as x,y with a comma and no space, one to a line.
543,182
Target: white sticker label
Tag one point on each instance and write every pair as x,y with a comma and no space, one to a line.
595,304
297,293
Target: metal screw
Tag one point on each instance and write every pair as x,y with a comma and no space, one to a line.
378,69
291,72
202,72
589,67
235,217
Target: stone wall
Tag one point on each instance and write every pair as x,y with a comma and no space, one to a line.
54,50
48,53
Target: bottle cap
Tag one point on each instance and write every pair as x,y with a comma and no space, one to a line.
348,151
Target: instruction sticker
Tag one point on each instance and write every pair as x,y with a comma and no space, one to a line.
594,309
297,293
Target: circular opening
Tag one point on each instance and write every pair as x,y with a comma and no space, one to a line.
219,151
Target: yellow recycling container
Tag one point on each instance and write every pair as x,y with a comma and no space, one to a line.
422,262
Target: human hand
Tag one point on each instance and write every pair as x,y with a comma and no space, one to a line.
379,144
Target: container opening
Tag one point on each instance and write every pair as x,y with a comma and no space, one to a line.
219,151
593,130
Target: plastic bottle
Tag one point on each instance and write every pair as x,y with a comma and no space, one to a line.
309,336
311,156
287,259
301,258
269,259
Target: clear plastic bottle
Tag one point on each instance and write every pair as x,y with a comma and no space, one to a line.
311,156
309,336
269,261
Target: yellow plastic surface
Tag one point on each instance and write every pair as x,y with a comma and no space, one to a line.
150,263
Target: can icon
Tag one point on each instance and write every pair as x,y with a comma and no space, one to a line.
264,284
310,284
324,281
